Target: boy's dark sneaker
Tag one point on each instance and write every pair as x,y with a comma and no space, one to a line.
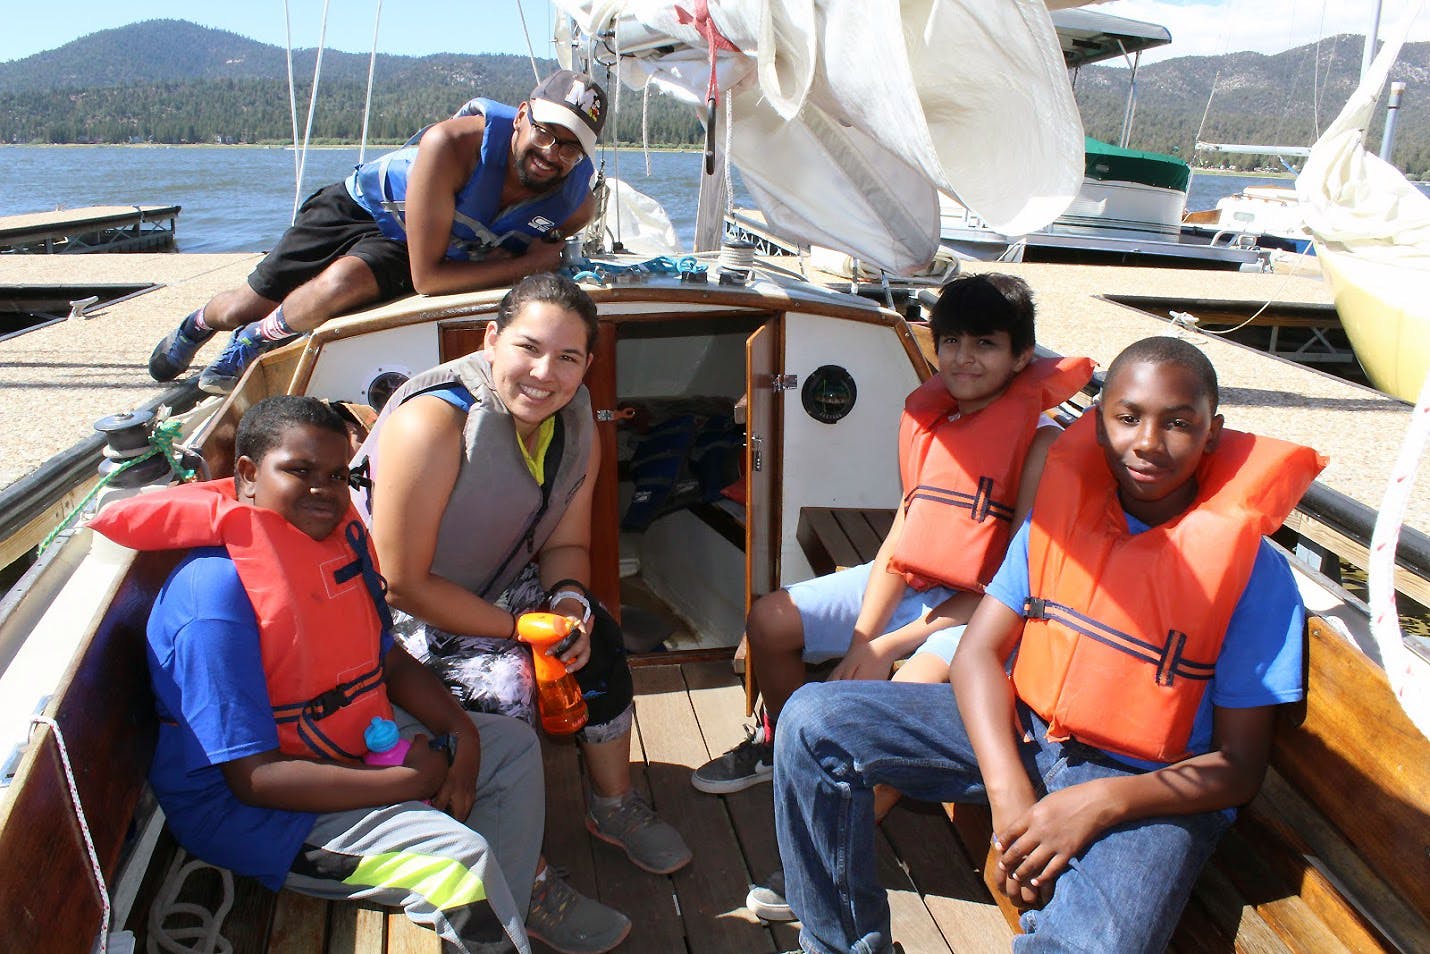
566,920
749,763
767,901
243,349
175,352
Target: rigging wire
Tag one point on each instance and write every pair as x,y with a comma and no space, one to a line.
530,50
312,108
1282,121
1216,78
292,107
613,76
645,125
371,68
1316,75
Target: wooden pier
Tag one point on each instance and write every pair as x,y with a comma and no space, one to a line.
102,228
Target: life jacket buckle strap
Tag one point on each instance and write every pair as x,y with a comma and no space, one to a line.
1035,608
321,707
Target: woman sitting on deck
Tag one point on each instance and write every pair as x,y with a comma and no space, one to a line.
482,472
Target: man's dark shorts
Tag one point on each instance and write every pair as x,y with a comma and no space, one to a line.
330,225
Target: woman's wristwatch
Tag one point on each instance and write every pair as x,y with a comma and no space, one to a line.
572,590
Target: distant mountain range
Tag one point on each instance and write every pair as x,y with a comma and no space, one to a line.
1283,99
173,81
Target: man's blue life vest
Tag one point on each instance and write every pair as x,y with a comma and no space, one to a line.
479,223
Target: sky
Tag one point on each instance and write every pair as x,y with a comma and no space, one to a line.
417,27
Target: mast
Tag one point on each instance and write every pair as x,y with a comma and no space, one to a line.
1371,36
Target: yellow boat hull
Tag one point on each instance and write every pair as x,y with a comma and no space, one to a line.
1385,310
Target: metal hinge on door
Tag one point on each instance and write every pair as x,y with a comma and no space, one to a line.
783,382
757,459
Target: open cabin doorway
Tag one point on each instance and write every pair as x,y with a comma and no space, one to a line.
685,524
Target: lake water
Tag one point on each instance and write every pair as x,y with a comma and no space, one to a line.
240,199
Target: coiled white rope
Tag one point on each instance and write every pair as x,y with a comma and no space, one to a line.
202,937
1398,660
102,944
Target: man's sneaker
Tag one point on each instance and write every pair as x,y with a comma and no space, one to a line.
566,920
749,763
222,376
767,901
632,826
173,355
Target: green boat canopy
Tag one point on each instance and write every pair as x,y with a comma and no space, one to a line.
1106,161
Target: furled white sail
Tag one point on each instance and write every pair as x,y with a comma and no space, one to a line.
849,118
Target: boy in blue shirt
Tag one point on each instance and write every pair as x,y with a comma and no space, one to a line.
270,650
1146,496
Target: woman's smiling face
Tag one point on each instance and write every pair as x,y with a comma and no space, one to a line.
538,361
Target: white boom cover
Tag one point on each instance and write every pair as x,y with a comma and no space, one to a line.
849,118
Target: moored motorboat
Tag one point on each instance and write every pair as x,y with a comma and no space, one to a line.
1130,203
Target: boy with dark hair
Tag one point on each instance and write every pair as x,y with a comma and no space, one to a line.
270,652
971,446
1155,633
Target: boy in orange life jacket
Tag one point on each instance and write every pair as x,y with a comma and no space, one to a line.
972,441
270,651
1155,631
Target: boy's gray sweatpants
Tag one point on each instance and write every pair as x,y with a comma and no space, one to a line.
471,883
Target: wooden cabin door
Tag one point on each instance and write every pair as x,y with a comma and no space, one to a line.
605,503
763,364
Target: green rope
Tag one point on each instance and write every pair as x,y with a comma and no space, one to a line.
161,441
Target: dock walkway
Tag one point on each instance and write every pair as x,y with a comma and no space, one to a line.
57,380
101,228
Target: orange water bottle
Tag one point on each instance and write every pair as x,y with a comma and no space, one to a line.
558,697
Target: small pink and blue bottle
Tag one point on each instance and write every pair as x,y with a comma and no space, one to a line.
384,745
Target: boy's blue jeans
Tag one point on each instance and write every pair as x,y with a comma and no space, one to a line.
836,740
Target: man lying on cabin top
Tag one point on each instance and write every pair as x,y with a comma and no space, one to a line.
476,201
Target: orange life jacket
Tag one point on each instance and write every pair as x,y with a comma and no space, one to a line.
961,476
318,602
1123,630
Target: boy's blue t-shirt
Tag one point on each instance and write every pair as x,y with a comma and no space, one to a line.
207,673
1260,659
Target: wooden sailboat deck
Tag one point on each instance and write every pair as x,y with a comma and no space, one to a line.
685,713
